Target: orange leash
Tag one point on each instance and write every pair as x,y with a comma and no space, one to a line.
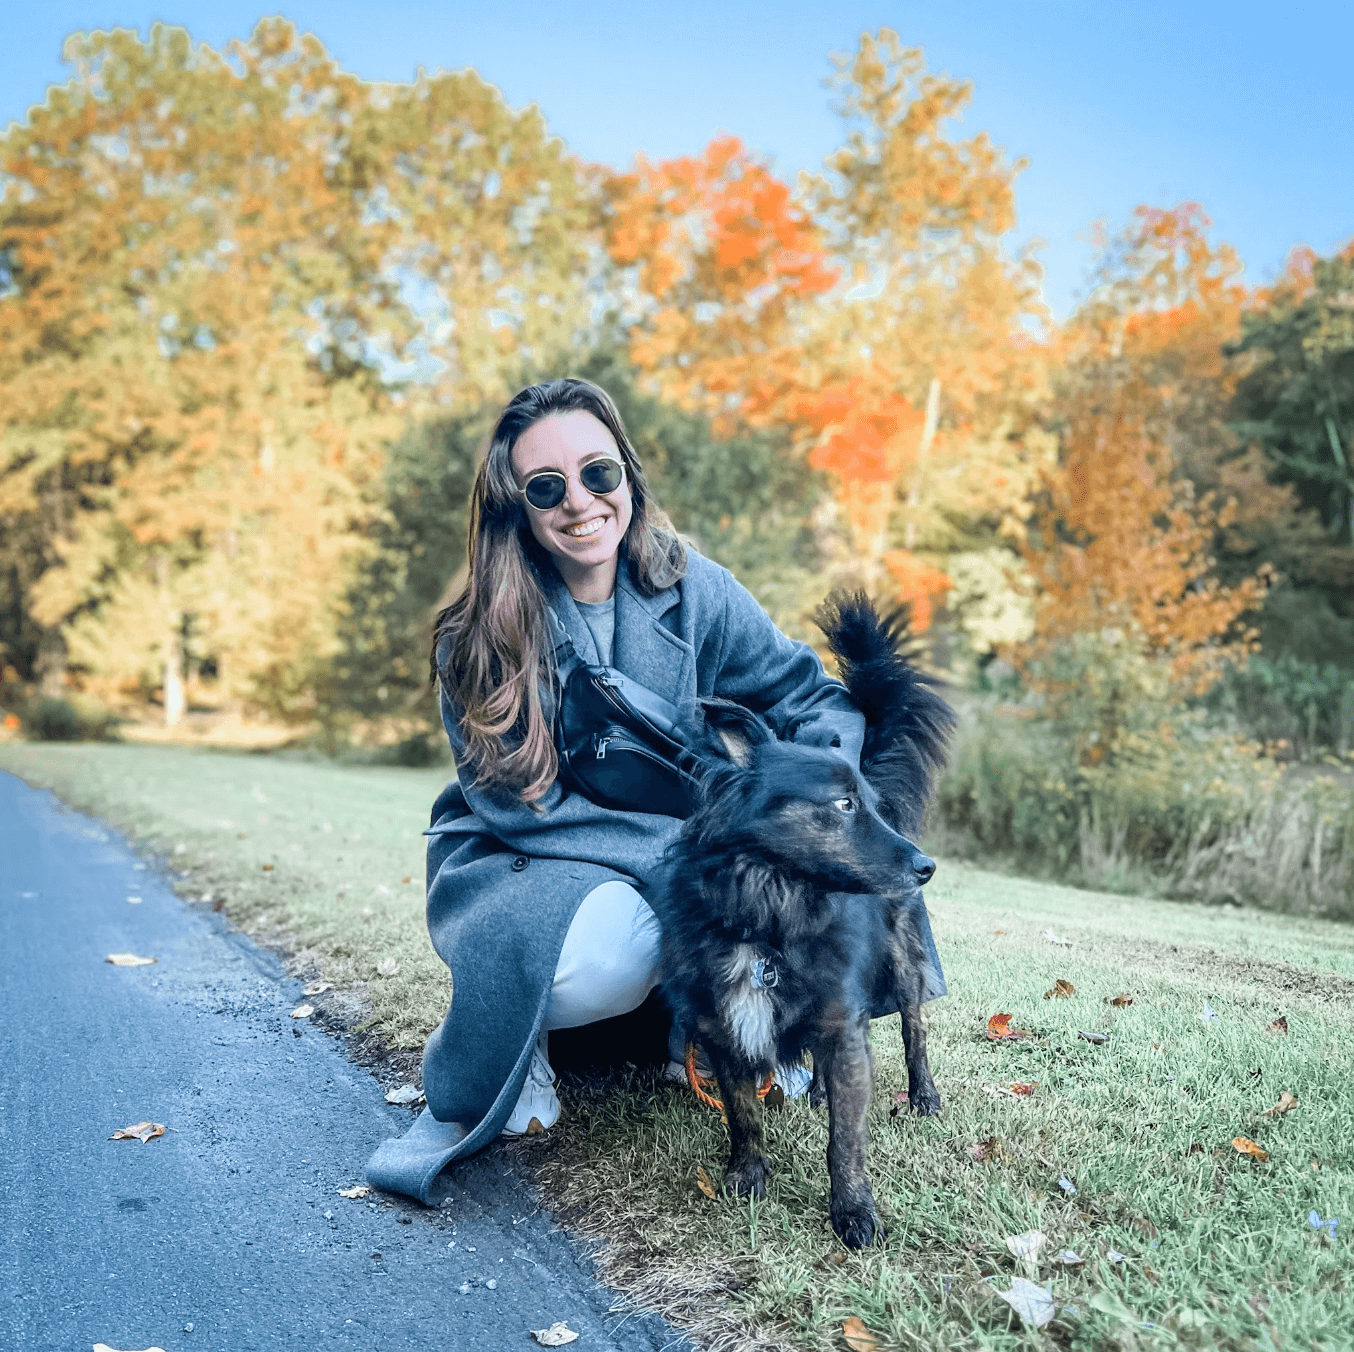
697,1082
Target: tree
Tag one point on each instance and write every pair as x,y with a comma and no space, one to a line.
214,266
1122,541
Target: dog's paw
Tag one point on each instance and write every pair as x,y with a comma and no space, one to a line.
856,1225
818,1094
749,1178
925,1102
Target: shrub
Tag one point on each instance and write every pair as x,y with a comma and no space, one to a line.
46,719
1308,705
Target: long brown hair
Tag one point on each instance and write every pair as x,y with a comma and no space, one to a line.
491,647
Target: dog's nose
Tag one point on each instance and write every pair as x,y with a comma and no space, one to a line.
924,868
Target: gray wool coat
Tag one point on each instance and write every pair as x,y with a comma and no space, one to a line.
505,879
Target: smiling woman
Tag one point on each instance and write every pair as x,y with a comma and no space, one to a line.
535,889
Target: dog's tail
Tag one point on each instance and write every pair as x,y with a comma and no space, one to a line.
907,724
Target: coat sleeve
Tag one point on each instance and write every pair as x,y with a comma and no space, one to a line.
781,679
563,824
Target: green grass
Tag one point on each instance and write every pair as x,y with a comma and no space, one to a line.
1220,1252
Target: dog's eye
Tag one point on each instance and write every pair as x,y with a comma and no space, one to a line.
845,804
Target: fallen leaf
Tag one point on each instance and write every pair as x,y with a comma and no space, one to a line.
388,967
1019,1087
1287,1102
1208,1013
1330,1223
1243,1145
317,988
303,1011
138,1131
1097,1039
1067,1186
135,901
986,1150
407,879
1026,1245
1032,1302
1144,1226
1068,1258
267,868
1114,1256
1280,1025
128,960
103,1347
998,931
1061,990
354,1193
999,1029
705,1183
1057,939
1120,1001
858,1337
406,1093
557,1335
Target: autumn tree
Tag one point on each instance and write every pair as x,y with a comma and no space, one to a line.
1121,546
215,266
872,312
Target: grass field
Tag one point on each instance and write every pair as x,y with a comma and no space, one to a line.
1211,1248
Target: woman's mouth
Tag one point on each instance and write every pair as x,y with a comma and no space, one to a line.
585,528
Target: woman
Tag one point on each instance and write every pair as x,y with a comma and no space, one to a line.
535,893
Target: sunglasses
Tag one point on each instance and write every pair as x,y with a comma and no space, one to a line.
547,489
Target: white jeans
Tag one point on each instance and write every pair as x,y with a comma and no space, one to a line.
609,961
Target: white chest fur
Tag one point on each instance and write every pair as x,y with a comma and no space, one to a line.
747,1007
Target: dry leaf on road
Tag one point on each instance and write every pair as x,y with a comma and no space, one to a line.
1120,1001
1280,1025
388,967
317,988
1243,1145
1061,990
360,1190
303,1011
557,1335
406,1093
138,1131
128,960
1287,1102
705,1183
858,1337
1032,1302
103,1347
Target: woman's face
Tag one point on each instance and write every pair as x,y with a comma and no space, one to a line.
584,532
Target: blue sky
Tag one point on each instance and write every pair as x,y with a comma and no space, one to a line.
1242,107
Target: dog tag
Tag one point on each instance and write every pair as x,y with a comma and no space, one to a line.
764,974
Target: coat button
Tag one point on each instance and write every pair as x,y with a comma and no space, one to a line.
520,863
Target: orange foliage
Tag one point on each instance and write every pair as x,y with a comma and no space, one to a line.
1123,539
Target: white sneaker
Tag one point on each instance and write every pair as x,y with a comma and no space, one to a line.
538,1105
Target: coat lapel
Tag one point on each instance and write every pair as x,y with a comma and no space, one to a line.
645,650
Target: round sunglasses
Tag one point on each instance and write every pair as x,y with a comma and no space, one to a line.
546,490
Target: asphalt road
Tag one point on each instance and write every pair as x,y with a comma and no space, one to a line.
228,1231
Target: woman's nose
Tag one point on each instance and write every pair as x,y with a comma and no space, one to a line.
576,497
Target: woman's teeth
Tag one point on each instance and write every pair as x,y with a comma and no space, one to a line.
585,528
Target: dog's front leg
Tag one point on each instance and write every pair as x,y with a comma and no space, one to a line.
748,1165
848,1101
922,1093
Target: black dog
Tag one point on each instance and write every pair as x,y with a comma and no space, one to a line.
788,905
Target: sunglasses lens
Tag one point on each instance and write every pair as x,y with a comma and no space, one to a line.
601,476
544,491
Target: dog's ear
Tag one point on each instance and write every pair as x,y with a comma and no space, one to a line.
731,731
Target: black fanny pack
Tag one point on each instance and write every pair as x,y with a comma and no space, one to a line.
622,745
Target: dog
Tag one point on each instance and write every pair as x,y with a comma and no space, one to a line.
789,904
